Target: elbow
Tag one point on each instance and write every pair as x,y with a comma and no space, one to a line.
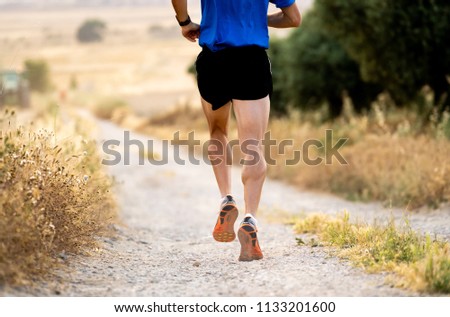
296,20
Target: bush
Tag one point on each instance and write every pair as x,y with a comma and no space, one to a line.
37,73
91,31
54,200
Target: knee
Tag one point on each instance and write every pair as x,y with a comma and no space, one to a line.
217,144
217,133
254,167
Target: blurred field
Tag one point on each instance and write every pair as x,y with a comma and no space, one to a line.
143,59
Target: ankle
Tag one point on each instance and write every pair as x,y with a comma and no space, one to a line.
226,196
227,199
252,216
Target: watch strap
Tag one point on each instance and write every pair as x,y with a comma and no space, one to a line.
184,23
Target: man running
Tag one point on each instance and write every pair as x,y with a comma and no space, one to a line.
233,69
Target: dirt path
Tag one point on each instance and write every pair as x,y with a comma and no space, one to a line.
166,247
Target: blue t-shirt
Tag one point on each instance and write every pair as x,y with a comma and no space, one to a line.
233,23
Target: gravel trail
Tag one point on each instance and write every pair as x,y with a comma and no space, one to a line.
165,247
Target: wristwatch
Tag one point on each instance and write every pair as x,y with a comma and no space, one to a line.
184,23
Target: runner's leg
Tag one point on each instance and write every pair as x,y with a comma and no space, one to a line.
218,129
252,120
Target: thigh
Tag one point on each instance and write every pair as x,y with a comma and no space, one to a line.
252,117
213,78
217,119
251,74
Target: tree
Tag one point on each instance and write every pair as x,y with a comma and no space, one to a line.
37,73
279,101
402,45
310,68
91,31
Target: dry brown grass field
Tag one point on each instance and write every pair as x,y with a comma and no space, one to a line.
143,59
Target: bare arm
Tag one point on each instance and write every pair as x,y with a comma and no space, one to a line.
288,17
190,31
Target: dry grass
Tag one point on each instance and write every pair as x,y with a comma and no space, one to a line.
54,199
401,171
388,161
421,262
184,117
183,120
110,108
431,273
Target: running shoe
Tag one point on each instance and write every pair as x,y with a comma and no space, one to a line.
224,229
250,249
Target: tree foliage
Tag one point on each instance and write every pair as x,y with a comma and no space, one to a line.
310,68
402,44
91,31
364,47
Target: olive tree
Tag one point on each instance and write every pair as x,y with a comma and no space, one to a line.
402,45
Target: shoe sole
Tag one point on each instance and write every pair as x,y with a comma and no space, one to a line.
250,250
224,230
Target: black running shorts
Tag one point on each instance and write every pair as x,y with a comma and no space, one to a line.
241,73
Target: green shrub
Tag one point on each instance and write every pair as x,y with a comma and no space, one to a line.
280,100
37,73
91,31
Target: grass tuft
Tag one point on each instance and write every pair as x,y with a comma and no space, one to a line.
422,263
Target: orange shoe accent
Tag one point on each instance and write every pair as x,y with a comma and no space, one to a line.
224,229
250,249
